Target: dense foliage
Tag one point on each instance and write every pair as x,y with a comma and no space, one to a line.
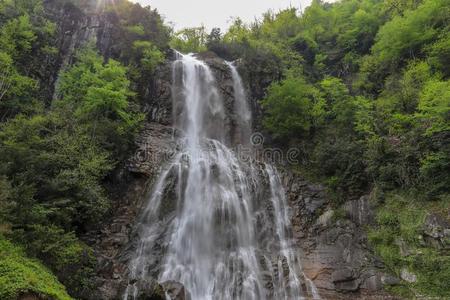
57,151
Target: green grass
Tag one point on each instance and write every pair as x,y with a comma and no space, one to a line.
401,290
401,217
19,274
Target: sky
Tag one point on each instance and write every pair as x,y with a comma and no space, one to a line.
216,13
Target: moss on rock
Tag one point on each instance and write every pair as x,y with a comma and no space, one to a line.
398,238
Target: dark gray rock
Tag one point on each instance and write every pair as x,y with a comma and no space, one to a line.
436,231
157,96
335,254
390,280
148,290
176,291
30,296
372,283
156,146
344,274
347,286
360,211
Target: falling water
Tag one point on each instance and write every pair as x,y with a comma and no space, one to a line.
241,108
228,236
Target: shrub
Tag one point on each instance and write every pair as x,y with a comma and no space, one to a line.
19,274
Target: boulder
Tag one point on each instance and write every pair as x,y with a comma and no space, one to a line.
372,283
436,231
344,274
407,276
389,280
344,279
148,290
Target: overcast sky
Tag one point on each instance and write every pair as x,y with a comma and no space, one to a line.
216,13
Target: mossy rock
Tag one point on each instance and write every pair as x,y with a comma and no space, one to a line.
397,238
25,278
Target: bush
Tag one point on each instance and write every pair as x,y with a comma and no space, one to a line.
71,260
342,162
19,274
293,108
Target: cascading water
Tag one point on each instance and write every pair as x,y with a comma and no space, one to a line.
228,235
241,107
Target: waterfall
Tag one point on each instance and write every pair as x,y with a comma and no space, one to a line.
228,235
241,107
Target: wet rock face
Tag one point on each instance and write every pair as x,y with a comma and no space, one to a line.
148,290
225,86
223,75
175,291
114,243
335,255
157,95
155,146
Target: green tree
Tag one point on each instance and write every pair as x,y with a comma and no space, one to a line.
25,34
55,173
404,37
434,106
150,56
98,93
54,164
293,108
190,40
439,54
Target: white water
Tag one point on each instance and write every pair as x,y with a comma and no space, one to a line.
241,108
229,237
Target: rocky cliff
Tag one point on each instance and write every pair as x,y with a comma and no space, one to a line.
334,249
336,254
89,23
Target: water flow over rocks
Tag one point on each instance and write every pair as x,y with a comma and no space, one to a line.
222,224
